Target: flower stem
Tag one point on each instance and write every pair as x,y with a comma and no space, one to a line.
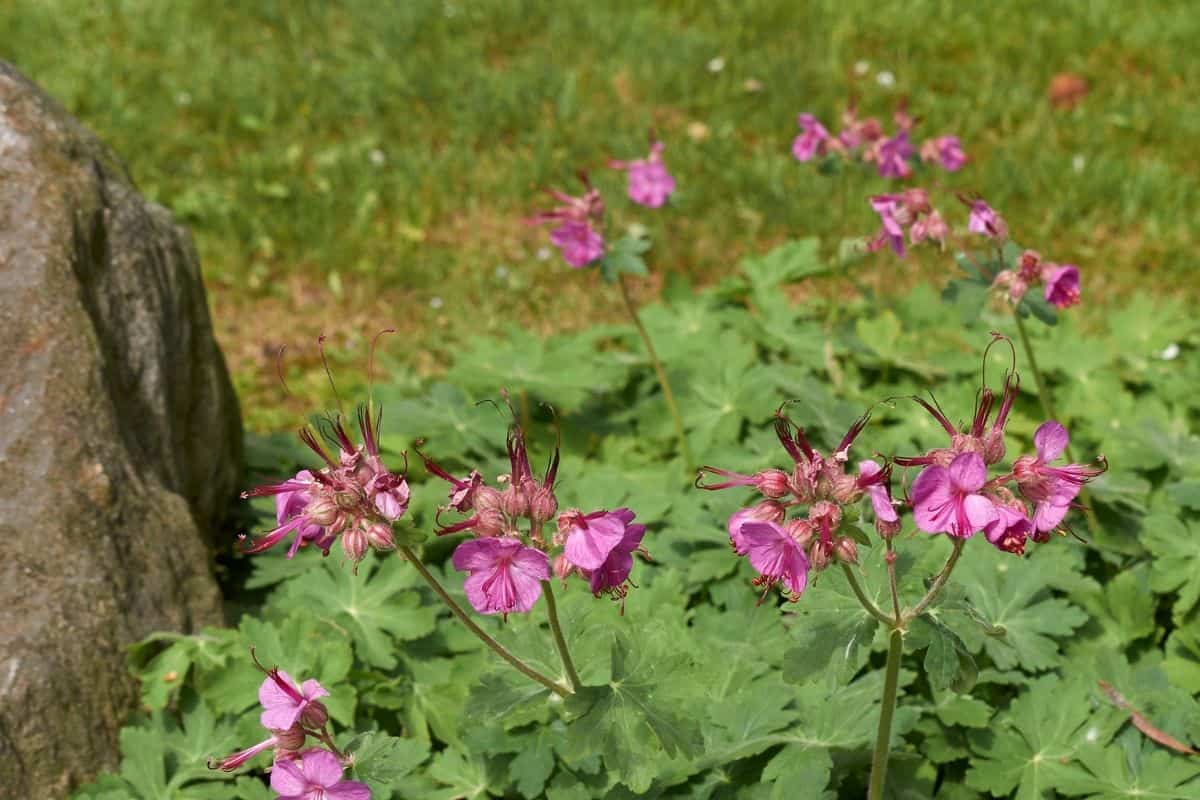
1048,407
887,710
559,640
891,567
865,601
668,395
939,583
466,620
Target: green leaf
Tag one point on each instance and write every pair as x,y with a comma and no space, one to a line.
787,263
626,723
464,779
1027,747
1176,568
833,634
948,665
381,760
1013,593
1135,768
373,608
624,257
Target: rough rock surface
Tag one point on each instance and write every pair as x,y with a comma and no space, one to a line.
120,441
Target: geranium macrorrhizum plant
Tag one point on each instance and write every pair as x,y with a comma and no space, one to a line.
960,491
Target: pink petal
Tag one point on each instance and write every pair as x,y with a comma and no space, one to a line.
1051,440
932,501
271,695
476,554
884,510
588,547
280,718
321,767
287,779
967,472
1047,516
348,790
311,689
978,513
612,572
739,518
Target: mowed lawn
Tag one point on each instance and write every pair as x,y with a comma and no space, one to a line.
352,166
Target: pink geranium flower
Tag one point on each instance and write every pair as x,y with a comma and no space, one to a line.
1051,489
947,499
891,156
766,511
946,150
578,242
776,556
317,775
983,219
649,182
813,138
1010,529
284,703
873,479
889,209
1062,285
504,576
611,575
591,537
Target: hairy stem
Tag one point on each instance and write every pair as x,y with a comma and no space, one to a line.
891,567
865,601
883,738
939,583
483,636
665,384
560,641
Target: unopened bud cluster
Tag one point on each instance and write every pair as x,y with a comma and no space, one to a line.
814,492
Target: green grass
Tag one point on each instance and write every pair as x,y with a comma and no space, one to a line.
343,164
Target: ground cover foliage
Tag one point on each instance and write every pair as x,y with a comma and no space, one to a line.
695,690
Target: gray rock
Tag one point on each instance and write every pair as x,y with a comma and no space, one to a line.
120,442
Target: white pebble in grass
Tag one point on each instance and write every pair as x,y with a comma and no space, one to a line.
716,64
861,68
377,157
501,272
183,99
1078,163
543,253
886,79
435,303
637,230
1170,352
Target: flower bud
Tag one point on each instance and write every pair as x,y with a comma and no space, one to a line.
993,447
846,550
772,483
381,537
292,738
818,556
354,544
315,715
485,497
887,528
829,513
1025,468
321,511
801,531
543,504
489,522
514,501
845,488
563,567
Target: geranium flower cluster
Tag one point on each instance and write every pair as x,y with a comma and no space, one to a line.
783,550
866,140
579,221
292,713
354,497
954,494
1060,281
509,559
911,212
